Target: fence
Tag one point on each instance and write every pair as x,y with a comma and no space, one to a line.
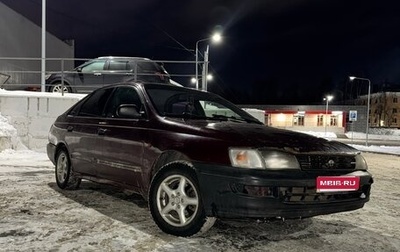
72,76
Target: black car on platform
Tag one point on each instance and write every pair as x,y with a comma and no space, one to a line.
102,71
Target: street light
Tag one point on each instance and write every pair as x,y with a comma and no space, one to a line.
209,77
216,38
368,101
327,98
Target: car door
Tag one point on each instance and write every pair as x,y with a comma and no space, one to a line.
82,137
118,70
90,76
122,139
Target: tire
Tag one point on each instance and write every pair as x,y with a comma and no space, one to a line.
58,88
175,201
63,172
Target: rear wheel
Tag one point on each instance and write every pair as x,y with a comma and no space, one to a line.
64,174
58,88
175,202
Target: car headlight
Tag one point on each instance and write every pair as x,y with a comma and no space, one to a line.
246,158
46,76
279,160
361,164
270,159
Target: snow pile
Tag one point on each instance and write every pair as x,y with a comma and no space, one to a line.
327,135
8,136
384,131
378,134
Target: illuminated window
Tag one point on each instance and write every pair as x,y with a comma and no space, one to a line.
333,120
320,120
298,120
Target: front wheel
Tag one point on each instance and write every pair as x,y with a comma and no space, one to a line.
175,202
64,174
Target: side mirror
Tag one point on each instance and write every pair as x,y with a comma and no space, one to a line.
79,69
128,111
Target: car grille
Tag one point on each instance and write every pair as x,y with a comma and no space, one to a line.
321,162
302,194
309,195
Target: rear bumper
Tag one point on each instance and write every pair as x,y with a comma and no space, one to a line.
236,193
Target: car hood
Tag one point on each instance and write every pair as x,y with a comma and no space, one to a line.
261,136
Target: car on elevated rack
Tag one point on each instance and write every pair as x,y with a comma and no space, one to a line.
102,71
196,157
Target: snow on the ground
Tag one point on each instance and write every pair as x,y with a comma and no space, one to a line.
35,215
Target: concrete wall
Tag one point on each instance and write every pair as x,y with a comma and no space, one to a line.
33,113
19,37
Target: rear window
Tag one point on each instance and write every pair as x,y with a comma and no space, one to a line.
145,66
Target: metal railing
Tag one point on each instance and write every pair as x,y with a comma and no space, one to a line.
19,73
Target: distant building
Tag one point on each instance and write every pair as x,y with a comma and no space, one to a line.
315,117
384,109
21,38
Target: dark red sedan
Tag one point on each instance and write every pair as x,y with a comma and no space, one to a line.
196,157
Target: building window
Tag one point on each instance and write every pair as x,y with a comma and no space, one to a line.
394,99
320,120
298,120
394,111
333,121
394,120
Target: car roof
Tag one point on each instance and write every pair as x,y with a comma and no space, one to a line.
144,84
123,57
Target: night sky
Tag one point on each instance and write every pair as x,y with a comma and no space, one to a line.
273,51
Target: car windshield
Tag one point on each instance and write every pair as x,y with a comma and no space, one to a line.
192,104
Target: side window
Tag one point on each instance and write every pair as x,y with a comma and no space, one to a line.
97,65
94,105
118,65
147,67
123,95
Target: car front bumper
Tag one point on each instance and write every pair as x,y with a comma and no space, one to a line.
230,192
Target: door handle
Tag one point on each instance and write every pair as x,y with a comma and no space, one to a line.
97,74
70,128
101,131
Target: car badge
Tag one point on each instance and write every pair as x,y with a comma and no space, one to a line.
330,163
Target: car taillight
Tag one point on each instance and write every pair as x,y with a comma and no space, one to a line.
160,75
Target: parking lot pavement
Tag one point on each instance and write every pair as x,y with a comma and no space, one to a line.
36,216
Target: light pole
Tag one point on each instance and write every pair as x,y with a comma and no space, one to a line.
327,98
43,59
215,38
368,101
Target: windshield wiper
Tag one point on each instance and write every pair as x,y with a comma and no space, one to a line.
185,115
228,118
235,119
